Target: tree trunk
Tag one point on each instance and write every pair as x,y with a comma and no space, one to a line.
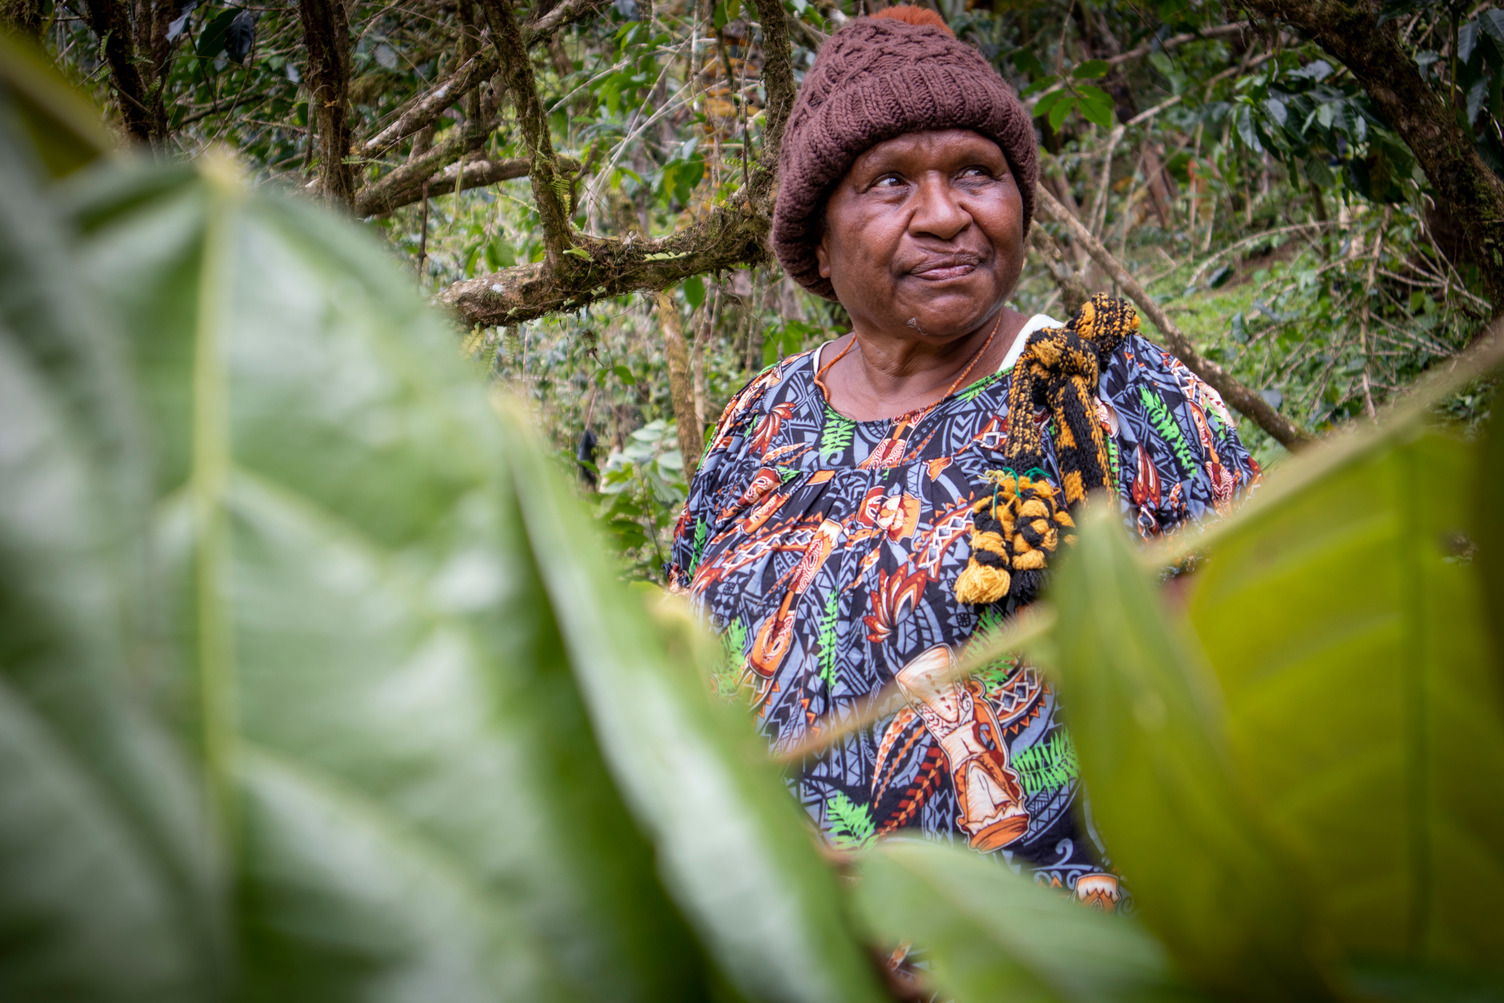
680,382
1464,186
326,31
110,21
24,17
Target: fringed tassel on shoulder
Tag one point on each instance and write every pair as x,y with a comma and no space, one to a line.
1023,520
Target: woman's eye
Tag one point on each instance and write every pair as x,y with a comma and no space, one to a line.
887,181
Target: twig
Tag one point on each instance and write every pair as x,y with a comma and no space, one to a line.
1235,393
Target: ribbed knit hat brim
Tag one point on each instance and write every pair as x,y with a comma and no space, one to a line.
874,80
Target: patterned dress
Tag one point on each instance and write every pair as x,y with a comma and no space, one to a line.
825,551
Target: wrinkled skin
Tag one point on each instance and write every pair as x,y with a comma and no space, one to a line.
923,242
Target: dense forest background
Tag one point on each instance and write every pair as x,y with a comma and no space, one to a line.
1303,196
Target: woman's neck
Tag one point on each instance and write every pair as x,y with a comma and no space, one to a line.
882,376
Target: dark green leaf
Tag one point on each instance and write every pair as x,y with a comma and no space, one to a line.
989,934
694,291
1467,41
1491,22
1276,110
1060,110
1043,105
211,40
1091,69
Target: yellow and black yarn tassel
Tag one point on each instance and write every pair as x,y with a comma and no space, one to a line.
1021,522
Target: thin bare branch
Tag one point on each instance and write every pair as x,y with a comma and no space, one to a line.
456,177
423,110
567,12
1233,392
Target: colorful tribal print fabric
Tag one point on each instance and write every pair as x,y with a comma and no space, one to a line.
826,552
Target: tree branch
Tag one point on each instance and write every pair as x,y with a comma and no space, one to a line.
566,13
1232,391
680,381
461,176
724,238
1073,291
423,110
326,32
550,202
1465,188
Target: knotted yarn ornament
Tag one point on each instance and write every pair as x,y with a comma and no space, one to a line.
1012,532
1022,520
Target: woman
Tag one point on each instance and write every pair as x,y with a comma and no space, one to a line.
867,506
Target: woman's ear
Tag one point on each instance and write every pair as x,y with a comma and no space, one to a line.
823,257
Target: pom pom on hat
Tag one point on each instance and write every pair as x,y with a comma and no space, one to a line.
916,16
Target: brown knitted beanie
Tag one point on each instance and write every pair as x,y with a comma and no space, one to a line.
877,78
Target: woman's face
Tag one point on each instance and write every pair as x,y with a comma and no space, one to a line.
924,235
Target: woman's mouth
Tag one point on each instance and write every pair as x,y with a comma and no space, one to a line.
943,268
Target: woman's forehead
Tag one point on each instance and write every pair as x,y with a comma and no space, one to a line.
934,145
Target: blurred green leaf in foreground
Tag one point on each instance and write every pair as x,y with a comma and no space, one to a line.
315,684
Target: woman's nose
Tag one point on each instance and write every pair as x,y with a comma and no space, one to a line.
937,212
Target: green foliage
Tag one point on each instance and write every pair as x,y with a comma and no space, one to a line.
316,681
991,936
343,701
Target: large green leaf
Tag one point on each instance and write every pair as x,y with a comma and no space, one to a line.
1150,730
737,854
1343,613
364,652
988,934
108,885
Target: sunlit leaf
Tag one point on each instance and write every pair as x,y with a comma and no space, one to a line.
1343,613
1060,110
358,614
109,884
988,934
1150,730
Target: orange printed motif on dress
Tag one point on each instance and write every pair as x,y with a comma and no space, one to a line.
767,429
764,481
965,727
